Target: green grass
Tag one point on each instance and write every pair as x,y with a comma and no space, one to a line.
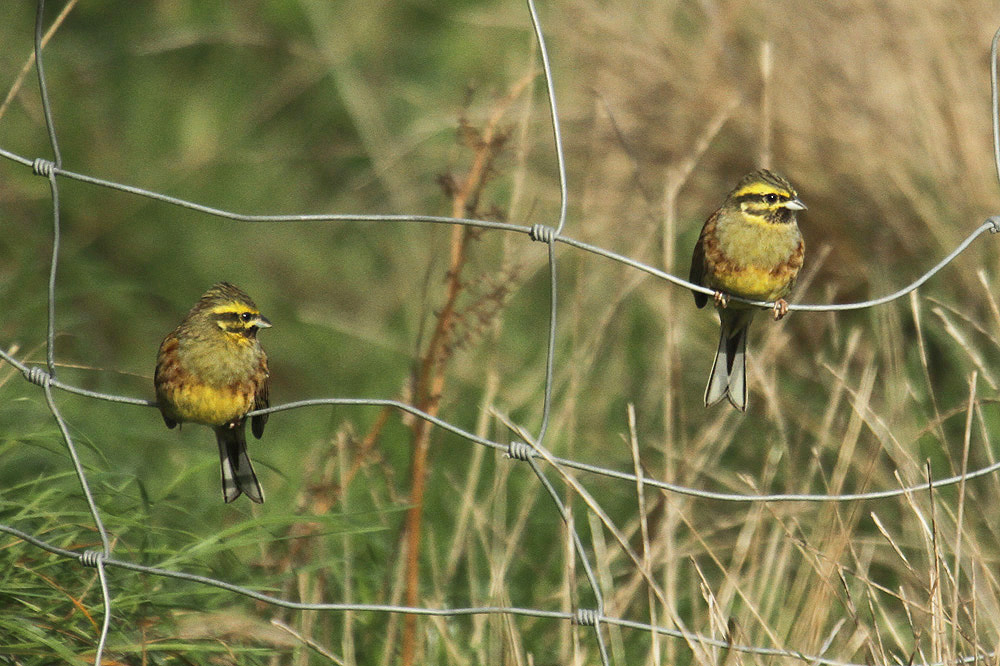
878,113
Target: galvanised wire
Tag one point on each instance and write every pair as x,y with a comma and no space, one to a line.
37,375
53,186
42,167
581,552
547,235
51,326
582,617
46,378
553,115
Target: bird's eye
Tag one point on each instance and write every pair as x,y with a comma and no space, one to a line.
771,198
246,316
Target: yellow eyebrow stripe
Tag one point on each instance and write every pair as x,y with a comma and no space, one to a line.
232,308
761,188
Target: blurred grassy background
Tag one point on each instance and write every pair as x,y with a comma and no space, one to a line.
878,112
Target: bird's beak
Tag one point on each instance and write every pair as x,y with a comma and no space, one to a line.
794,204
262,322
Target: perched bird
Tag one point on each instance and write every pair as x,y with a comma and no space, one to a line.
212,370
750,247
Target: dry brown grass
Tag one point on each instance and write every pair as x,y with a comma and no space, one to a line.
880,116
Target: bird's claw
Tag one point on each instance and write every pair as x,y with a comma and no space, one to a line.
780,308
721,300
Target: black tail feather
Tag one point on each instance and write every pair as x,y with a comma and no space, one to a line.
237,472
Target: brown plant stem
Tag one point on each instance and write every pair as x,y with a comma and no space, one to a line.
487,145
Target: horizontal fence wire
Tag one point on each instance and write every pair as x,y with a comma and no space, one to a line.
527,449
582,617
39,376
535,232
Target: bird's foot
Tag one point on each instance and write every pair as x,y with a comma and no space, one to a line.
721,299
780,308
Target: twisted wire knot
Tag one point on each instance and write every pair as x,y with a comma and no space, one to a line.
542,233
38,375
91,558
519,451
995,221
586,617
42,167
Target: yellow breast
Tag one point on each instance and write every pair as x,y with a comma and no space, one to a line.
755,259
753,283
198,403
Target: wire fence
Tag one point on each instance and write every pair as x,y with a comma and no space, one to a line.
529,449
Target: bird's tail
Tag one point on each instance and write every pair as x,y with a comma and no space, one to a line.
729,373
237,472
